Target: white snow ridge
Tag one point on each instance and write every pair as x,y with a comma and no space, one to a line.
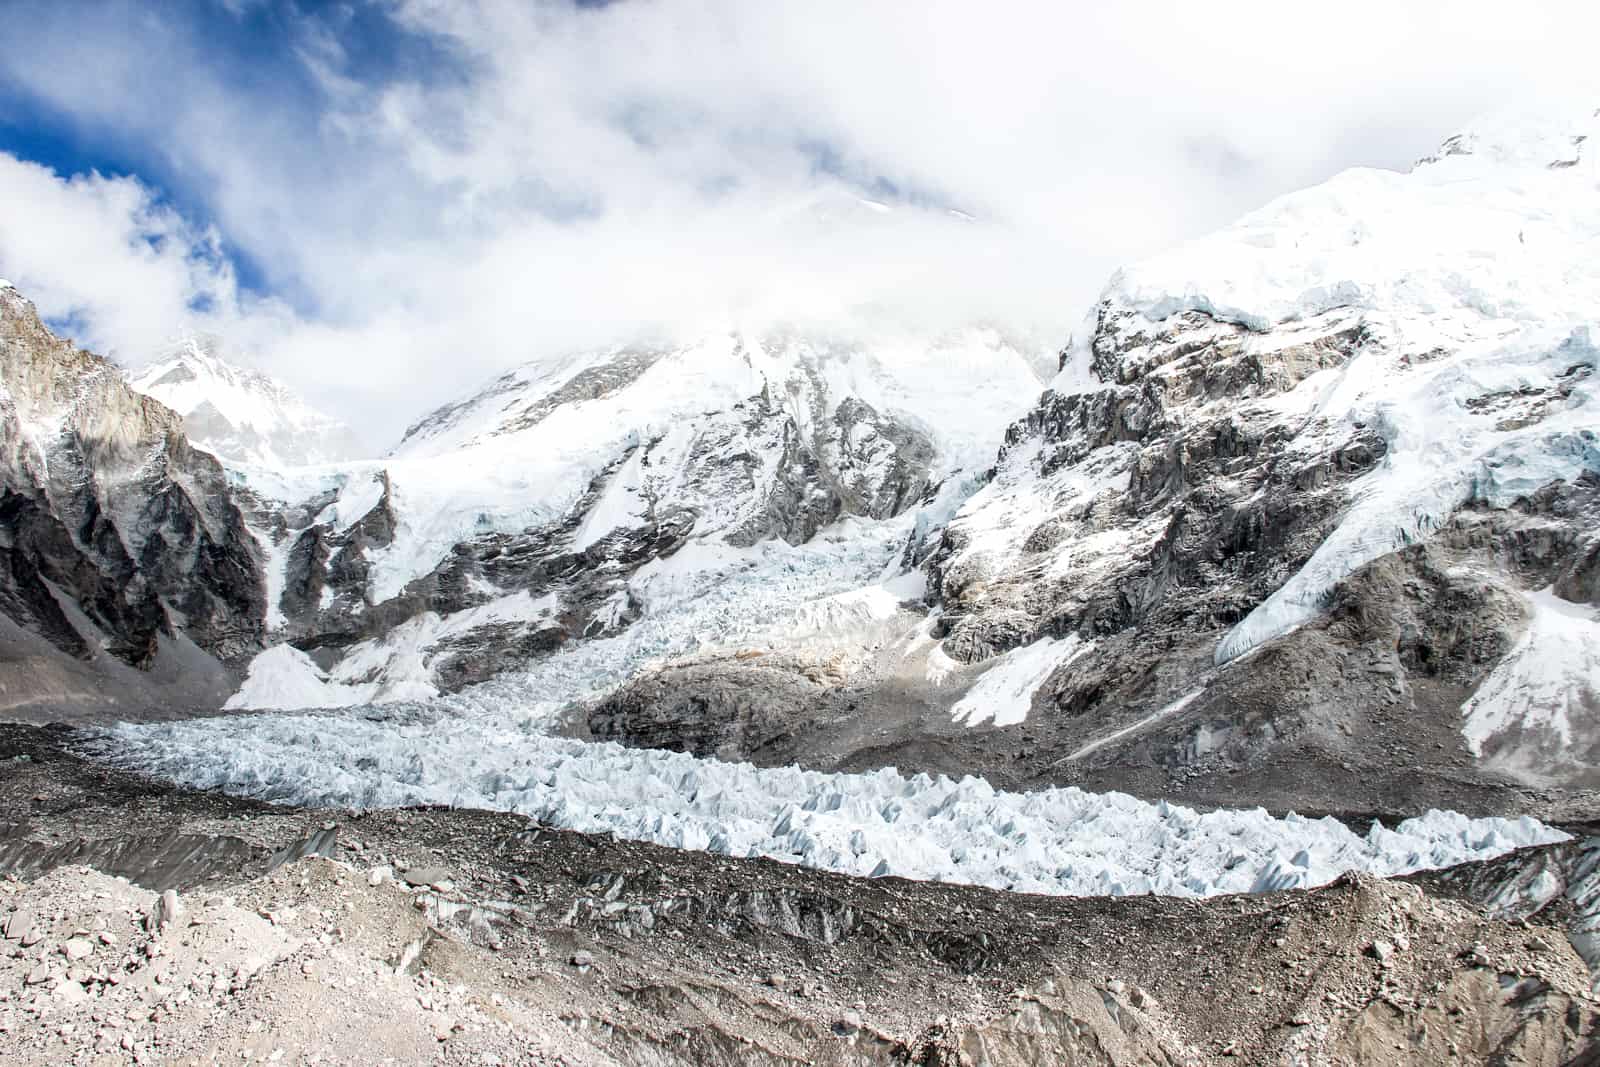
1060,841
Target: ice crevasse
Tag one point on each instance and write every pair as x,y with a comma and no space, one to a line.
1059,841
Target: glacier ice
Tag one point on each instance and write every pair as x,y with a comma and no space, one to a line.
1061,841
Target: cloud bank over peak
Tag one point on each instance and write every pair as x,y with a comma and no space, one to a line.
429,190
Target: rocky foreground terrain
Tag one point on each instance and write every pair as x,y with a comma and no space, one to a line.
147,924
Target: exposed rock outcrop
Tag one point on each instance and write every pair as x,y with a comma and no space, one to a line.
117,537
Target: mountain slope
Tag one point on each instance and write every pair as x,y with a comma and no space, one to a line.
241,415
515,522
125,567
1290,503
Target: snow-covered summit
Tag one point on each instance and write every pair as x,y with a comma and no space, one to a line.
1496,233
241,415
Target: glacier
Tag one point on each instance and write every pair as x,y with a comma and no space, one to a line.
1056,841
1549,679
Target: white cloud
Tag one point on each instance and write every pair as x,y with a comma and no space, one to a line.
674,166
102,253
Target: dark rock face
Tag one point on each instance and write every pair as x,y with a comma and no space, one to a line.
114,533
1362,702
734,709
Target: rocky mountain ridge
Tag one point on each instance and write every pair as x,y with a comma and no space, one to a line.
123,547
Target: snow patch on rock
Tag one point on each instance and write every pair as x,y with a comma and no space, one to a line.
1446,447
285,677
1005,691
1149,720
1550,678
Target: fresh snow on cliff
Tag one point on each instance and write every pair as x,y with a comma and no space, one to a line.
705,596
242,416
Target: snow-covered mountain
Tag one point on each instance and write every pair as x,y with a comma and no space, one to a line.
241,415
1307,518
530,515
1309,514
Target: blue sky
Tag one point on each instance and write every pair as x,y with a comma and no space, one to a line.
385,201
253,50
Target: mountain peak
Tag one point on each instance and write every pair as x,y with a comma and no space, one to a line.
1552,138
237,413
